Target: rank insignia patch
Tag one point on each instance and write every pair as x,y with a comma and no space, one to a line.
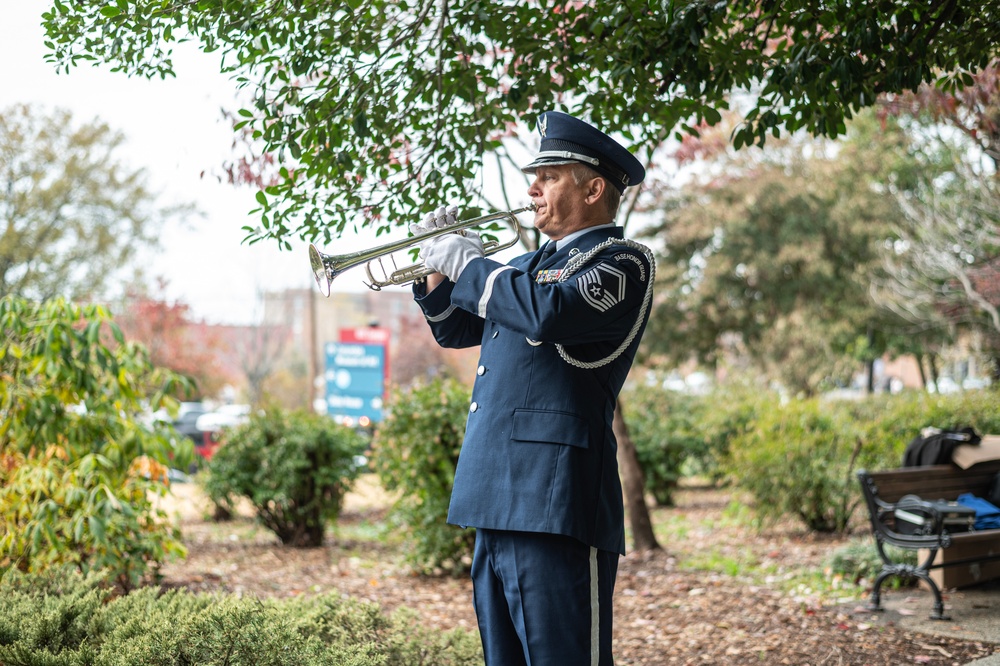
548,276
602,287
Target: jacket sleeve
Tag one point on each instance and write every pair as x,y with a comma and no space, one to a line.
452,327
599,302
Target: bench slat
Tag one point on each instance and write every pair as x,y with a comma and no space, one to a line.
935,482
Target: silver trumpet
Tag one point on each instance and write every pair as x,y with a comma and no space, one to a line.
327,267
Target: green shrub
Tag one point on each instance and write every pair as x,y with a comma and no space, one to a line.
69,620
978,409
663,428
677,434
725,415
415,451
886,424
294,467
799,459
858,561
79,469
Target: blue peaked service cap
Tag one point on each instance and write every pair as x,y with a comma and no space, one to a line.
566,140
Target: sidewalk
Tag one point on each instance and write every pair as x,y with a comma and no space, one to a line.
974,612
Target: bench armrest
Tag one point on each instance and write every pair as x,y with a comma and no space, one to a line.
883,519
929,512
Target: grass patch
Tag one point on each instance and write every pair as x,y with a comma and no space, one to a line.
726,542
717,561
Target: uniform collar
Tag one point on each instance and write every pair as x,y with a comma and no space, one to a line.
568,240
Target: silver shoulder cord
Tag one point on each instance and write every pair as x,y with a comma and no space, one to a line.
574,265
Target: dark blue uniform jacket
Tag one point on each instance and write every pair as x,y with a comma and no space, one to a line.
539,454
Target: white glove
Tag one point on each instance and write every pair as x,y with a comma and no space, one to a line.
442,217
449,254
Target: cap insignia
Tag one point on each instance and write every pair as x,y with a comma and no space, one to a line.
542,125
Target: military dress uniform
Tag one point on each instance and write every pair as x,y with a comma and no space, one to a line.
537,474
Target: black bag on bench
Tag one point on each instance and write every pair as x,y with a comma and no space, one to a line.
917,516
934,446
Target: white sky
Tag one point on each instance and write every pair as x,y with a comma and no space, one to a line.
174,131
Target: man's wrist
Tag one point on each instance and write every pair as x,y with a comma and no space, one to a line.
433,280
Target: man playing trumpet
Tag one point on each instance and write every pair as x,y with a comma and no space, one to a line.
558,330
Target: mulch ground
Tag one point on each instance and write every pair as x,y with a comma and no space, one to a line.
666,610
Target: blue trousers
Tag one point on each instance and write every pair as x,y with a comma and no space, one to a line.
543,599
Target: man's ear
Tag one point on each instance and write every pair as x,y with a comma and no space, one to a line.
595,190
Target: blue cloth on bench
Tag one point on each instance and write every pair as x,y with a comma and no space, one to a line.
987,515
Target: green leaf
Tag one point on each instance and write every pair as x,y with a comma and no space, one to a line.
361,124
96,525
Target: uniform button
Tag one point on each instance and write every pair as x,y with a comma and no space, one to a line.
481,370
474,406
496,333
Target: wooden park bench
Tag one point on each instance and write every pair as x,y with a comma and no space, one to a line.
945,559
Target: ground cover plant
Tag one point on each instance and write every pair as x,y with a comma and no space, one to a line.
65,619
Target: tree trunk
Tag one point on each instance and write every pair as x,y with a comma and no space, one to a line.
932,364
923,374
633,485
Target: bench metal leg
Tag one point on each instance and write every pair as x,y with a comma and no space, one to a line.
906,571
938,613
875,600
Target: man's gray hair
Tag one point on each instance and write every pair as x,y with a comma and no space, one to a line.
612,197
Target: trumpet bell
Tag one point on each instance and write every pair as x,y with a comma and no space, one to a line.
323,276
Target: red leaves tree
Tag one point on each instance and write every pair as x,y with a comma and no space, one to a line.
176,342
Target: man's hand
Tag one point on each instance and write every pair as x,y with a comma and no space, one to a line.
449,254
446,254
442,217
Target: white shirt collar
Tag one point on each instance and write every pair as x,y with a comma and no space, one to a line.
565,240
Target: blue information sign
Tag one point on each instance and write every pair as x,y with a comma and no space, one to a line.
355,380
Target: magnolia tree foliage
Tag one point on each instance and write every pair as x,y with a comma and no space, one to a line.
79,467
379,109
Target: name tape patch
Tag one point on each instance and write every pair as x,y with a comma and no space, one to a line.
625,256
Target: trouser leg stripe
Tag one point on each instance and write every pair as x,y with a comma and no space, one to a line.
595,611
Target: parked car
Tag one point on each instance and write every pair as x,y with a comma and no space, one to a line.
186,420
213,424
